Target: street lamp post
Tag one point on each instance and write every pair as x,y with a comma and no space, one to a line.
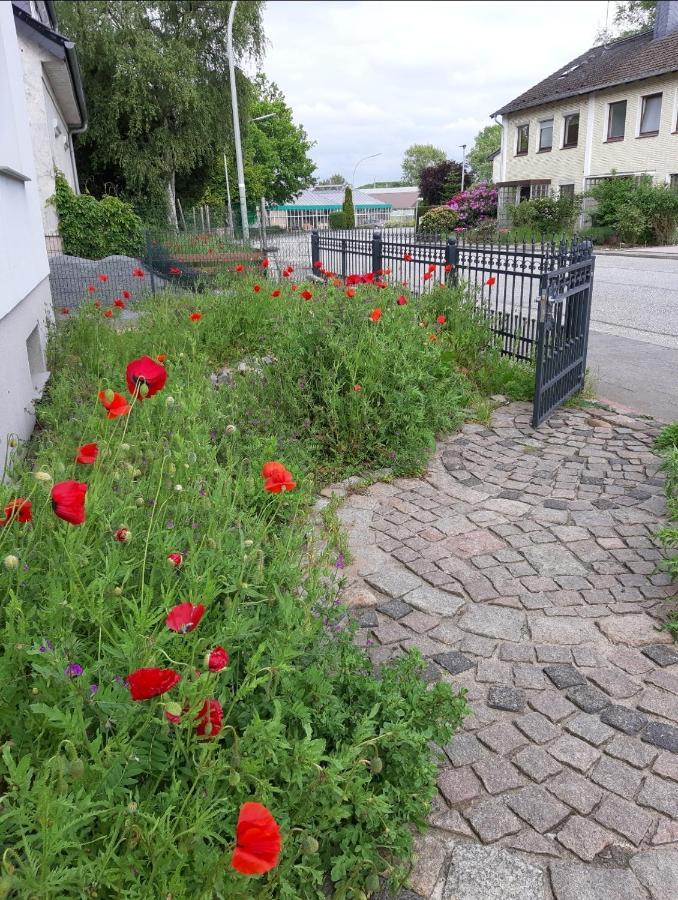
372,156
236,124
463,164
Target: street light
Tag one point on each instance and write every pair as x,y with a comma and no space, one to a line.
463,164
236,124
373,156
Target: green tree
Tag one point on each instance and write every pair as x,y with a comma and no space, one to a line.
332,180
156,79
486,142
348,209
631,17
418,157
277,164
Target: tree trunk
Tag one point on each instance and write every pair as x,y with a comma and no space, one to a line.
172,203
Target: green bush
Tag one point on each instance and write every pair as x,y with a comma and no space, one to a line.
439,220
96,228
105,797
337,219
348,209
637,210
546,215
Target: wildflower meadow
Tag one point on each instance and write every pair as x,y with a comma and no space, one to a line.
185,713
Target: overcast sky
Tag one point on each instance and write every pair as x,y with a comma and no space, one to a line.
374,77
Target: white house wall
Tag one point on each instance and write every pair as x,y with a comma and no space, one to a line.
25,302
51,151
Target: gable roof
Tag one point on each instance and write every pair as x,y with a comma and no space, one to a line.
619,62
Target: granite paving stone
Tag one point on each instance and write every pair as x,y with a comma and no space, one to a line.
616,776
458,785
511,699
396,609
588,698
538,808
393,582
615,683
564,676
536,763
552,705
590,728
584,837
660,795
486,873
465,749
498,775
572,881
576,753
658,703
502,737
620,815
663,656
453,661
661,735
632,751
624,719
666,765
492,820
537,728
575,790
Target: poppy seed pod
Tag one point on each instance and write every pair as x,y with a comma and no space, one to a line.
117,591
109,395
42,476
230,429
309,845
169,401
11,562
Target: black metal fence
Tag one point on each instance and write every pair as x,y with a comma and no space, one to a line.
504,279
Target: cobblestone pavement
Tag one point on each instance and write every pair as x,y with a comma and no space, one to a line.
524,568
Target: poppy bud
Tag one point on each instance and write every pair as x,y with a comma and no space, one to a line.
173,712
171,469
216,660
234,779
139,501
376,765
42,476
309,845
132,807
248,543
11,562
143,389
178,488
117,591
230,429
76,768
123,535
109,395
169,401
35,691
372,883
136,473
175,559
211,543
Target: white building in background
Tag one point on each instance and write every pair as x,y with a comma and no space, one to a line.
40,104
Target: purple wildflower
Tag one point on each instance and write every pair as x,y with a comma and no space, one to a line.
169,523
93,688
339,564
73,670
48,645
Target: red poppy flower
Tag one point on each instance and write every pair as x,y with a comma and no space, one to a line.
91,288
408,257
126,295
68,501
350,292
317,264
294,286
431,267
264,264
185,617
432,337
108,313
401,301
290,269
275,293
449,267
357,387
216,659
337,282
161,357
18,510
380,284
114,404
256,288
240,268
285,273
195,317
490,281
277,478
97,304
119,303
175,559
174,270
375,315
147,683
258,841
145,371
65,311
87,454
306,294
102,278
428,276
123,535
209,719
441,320
138,272
171,715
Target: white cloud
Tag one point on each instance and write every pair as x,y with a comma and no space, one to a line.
375,77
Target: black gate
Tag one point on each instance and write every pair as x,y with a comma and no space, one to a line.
563,331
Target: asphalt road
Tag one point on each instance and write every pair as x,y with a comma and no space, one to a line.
633,346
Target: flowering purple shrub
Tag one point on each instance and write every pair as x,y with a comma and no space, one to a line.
474,205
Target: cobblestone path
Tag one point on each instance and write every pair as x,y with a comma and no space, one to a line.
524,567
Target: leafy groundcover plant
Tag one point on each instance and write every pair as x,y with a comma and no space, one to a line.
667,444
184,711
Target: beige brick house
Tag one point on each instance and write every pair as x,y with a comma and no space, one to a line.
612,110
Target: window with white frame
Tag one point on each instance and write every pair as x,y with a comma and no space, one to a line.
567,190
571,130
616,121
650,114
545,135
522,139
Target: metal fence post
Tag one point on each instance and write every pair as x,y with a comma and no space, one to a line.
376,251
315,248
149,260
452,259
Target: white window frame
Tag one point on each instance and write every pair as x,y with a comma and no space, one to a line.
552,120
639,114
567,114
518,127
606,121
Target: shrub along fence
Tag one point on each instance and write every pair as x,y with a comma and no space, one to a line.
505,279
